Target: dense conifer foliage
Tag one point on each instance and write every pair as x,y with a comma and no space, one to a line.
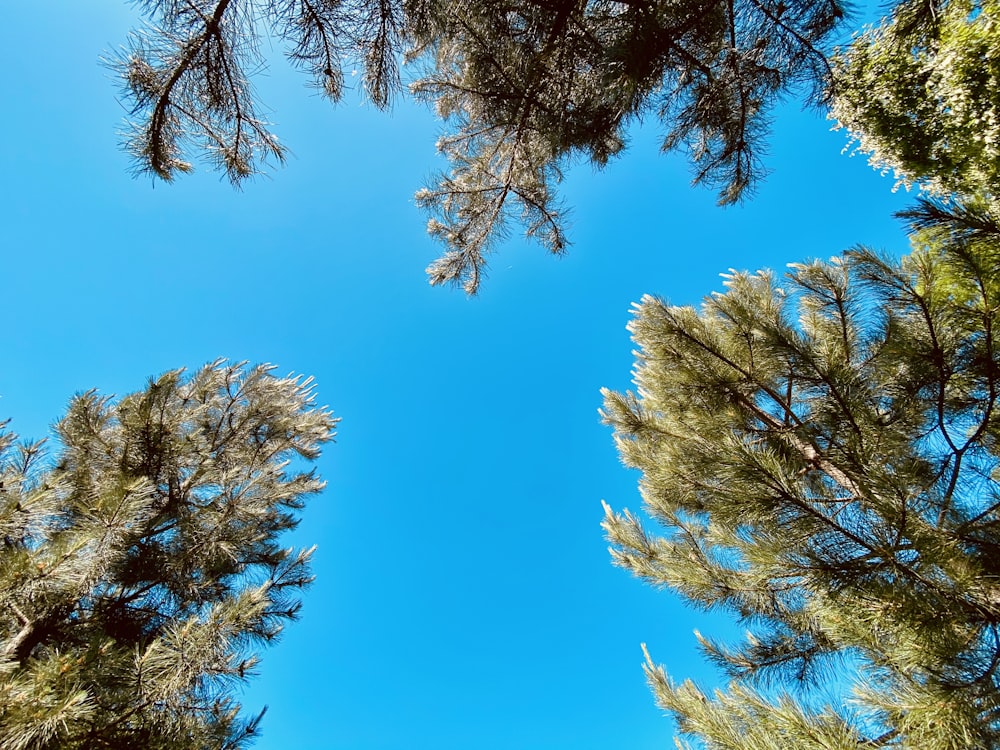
920,93
140,567
820,452
524,87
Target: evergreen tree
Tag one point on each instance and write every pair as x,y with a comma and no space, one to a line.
525,86
141,570
921,94
820,453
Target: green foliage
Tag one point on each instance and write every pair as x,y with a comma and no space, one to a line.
921,95
821,452
140,568
524,87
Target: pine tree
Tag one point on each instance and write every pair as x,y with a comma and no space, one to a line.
920,93
524,86
820,455
141,569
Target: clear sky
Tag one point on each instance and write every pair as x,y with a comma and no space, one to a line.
464,596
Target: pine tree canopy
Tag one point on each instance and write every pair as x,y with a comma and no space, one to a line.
921,95
141,569
524,87
819,453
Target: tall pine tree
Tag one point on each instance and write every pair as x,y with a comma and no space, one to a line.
141,567
920,93
820,455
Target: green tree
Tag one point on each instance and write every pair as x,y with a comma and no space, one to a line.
525,86
820,453
140,568
921,94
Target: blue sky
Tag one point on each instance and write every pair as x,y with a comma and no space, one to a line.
464,596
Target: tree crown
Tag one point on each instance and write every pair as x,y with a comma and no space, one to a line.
524,87
919,94
141,568
821,452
